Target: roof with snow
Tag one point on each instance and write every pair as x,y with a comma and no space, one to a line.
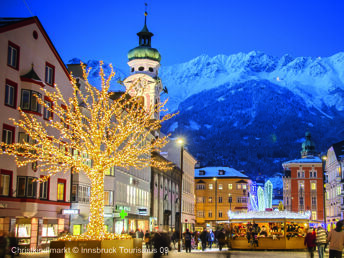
310,159
225,172
269,215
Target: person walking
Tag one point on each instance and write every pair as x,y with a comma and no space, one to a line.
310,242
175,238
211,238
204,236
321,241
336,239
221,236
187,238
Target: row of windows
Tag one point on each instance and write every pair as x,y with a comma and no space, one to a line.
8,133
302,186
141,68
220,186
200,214
13,56
220,199
28,100
27,187
301,201
301,174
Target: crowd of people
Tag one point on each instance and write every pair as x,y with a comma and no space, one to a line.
320,239
159,242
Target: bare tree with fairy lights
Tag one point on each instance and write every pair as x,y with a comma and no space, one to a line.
108,132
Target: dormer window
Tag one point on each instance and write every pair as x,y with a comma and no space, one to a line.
221,172
201,172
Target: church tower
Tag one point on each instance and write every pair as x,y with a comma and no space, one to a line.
144,63
308,147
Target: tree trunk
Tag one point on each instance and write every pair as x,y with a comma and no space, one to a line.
96,225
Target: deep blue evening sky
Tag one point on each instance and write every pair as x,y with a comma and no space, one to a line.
106,29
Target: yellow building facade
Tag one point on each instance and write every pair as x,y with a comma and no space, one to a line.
219,190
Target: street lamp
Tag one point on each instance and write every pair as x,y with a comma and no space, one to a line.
323,159
215,179
180,142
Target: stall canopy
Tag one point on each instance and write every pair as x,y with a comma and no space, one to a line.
269,215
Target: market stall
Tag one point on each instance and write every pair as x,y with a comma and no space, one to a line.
268,230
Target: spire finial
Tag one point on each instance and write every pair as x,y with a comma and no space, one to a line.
146,13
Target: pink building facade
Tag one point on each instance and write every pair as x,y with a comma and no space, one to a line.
28,63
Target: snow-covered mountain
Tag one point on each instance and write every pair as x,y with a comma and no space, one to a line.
319,81
251,111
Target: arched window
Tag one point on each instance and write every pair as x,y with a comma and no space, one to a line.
141,68
151,69
132,69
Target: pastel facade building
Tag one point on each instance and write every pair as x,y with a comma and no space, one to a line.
218,191
334,184
28,63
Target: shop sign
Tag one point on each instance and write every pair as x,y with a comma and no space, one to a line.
3,205
116,215
123,214
119,208
70,211
143,211
108,215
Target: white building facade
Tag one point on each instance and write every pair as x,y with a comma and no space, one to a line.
334,184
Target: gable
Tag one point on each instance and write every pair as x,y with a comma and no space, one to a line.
10,24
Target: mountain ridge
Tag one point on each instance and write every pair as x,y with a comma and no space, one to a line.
265,103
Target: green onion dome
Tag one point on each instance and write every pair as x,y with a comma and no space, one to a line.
144,52
308,146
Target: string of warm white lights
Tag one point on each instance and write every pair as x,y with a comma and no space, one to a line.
107,132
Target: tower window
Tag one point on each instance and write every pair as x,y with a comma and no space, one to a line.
151,69
141,68
132,69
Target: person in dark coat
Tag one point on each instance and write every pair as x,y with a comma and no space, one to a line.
175,238
187,238
221,236
216,234
203,237
161,241
13,245
211,238
310,242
